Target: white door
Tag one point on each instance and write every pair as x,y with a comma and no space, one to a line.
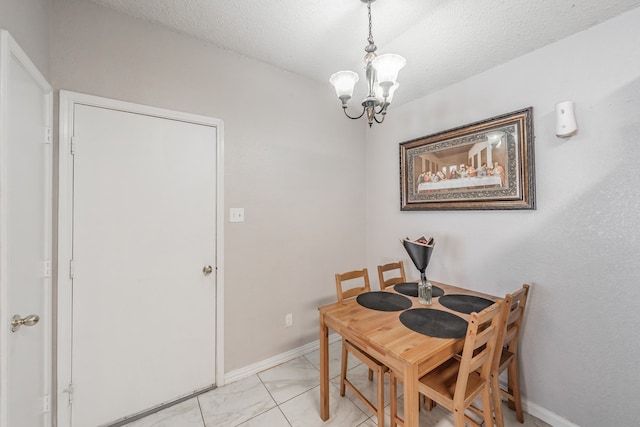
25,239
144,260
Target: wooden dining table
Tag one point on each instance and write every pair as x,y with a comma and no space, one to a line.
382,335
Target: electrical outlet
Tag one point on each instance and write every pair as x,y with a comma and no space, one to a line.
288,320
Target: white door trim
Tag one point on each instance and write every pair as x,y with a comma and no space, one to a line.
65,228
9,48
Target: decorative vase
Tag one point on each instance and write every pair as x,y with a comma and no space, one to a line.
424,290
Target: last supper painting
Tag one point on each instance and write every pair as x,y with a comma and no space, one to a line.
483,165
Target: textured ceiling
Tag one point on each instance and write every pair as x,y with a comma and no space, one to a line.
444,41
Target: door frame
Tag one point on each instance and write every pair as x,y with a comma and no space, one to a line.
65,229
10,48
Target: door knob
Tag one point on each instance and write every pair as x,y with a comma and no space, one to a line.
207,270
27,321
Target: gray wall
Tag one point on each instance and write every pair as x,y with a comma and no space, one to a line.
28,23
300,175
579,249
298,169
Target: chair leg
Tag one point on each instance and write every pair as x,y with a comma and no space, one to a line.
486,406
514,389
393,396
458,417
428,403
380,403
497,400
343,368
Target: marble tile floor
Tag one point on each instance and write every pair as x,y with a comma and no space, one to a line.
288,396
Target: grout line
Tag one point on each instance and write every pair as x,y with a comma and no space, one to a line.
285,417
267,389
204,423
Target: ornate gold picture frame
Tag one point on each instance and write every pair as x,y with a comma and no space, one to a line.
483,165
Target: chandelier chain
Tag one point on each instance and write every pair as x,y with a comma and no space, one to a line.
370,26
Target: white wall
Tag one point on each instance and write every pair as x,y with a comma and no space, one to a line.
296,166
28,23
579,249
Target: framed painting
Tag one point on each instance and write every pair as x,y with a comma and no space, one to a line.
483,165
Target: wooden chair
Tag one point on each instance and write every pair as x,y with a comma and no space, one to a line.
507,355
456,383
400,278
348,347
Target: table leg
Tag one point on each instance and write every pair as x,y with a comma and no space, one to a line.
324,370
411,398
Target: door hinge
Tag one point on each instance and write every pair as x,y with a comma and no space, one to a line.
73,145
72,268
46,268
46,405
48,135
69,391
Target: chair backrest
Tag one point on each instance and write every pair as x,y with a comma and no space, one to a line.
353,290
513,311
479,345
397,278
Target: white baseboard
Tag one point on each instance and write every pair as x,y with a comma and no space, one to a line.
529,407
545,415
541,413
279,359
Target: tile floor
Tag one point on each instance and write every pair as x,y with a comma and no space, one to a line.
288,396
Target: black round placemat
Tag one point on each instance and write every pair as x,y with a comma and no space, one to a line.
383,301
434,323
411,289
465,303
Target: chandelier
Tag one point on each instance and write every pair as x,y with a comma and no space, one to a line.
381,73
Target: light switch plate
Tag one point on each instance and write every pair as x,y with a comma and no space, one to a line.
236,214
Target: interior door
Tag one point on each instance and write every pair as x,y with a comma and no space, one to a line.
25,239
144,251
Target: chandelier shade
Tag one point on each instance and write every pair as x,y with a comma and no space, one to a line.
344,82
381,73
388,66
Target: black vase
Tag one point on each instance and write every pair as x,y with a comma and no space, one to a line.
419,253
